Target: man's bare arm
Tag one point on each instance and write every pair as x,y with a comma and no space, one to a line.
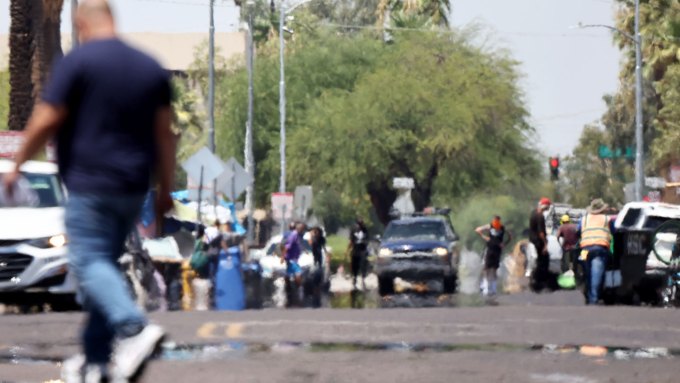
165,161
43,124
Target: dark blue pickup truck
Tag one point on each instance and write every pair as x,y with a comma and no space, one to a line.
421,248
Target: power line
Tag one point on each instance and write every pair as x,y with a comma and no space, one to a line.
187,2
568,115
525,34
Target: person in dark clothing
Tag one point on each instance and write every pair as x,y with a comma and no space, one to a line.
358,248
318,245
494,234
538,237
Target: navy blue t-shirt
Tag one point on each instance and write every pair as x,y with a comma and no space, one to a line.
112,93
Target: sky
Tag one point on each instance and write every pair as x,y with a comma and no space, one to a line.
566,71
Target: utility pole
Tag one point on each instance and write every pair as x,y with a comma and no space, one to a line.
211,89
639,136
74,27
249,160
636,38
282,98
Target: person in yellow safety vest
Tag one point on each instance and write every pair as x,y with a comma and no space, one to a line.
595,231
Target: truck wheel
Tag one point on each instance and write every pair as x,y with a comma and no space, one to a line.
450,282
385,285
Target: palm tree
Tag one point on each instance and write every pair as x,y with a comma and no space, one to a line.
35,41
414,13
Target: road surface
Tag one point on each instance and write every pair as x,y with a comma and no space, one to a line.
518,338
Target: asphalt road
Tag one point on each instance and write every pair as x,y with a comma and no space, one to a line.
518,338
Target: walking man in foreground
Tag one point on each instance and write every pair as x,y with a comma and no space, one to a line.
109,107
595,230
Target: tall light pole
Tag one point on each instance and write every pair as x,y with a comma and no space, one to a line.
282,97
639,159
639,136
282,88
211,79
74,27
211,90
250,163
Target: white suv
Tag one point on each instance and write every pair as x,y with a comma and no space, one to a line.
33,251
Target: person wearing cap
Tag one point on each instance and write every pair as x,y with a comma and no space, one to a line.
567,236
494,234
538,237
595,231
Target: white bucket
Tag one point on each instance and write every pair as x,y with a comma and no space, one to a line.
201,289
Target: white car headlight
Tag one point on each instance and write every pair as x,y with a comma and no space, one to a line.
441,251
54,241
57,240
385,252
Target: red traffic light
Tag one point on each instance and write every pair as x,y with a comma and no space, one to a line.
554,162
554,168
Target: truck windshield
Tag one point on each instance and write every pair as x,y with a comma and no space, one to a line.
416,230
654,222
36,190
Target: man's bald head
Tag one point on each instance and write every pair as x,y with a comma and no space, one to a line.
95,20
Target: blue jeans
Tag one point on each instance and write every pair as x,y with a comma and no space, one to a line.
97,226
595,266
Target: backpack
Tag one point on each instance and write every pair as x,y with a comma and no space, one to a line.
199,259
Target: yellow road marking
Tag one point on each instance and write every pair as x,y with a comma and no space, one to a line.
234,330
206,330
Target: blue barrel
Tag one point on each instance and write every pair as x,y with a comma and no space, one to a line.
229,292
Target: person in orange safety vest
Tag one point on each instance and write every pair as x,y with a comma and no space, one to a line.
595,231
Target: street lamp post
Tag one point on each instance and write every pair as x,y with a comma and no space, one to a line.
250,163
74,27
211,90
639,160
282,98
282,88
639,137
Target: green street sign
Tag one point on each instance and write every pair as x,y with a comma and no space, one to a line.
604,151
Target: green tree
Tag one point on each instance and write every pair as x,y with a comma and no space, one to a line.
188,125
660,30
414,13
34,43
313,67
589,176
435,109
4,99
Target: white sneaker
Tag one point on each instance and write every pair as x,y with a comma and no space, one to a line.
75,370
131,353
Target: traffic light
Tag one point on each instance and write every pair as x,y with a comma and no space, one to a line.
554,168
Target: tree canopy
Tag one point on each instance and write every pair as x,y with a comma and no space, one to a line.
359,112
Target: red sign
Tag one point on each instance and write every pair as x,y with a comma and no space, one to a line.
10,143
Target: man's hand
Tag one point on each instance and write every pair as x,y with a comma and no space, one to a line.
163,203
8,182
